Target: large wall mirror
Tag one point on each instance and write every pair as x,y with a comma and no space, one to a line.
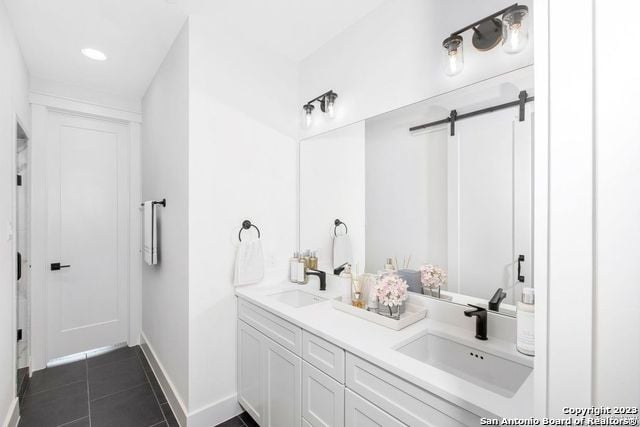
462,202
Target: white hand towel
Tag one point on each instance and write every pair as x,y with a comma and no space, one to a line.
249,263
150,234
341,250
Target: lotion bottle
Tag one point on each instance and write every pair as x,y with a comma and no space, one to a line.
346,291
293,267
525,323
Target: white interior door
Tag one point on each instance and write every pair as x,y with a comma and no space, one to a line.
490,190
88,231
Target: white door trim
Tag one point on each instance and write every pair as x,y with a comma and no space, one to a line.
41,105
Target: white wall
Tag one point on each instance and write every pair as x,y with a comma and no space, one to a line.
338,158
14,86
165,287
242,165
570,287
392,58
617,294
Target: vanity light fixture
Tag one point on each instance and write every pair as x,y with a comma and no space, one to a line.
327,103
512,30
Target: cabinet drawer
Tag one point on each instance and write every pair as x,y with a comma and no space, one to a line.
361,413
284,333
409,403
327,357
322,398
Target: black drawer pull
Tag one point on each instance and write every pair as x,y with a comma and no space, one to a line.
55,266
520,261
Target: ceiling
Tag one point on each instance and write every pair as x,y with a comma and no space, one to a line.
136,34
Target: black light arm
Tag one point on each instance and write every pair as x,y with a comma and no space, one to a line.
323,98
480,21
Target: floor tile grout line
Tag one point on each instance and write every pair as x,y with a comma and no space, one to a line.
86,366
118,392
53,388
110,363
73,421
146,374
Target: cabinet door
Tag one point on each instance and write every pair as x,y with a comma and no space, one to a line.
322,398
359,412
283,373
250,371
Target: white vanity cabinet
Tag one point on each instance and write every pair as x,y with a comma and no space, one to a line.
322,398
288,377
269,375
282,373
269,379
359,412
251,393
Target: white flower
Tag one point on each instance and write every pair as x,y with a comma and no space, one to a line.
391,290
432,276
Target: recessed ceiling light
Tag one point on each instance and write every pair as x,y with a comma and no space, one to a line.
94,54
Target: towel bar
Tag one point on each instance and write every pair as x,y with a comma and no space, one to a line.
162,202
337,224
246,224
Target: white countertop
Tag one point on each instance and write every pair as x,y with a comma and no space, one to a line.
377,345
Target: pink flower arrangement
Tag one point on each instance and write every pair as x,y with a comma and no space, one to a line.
432,276
391,290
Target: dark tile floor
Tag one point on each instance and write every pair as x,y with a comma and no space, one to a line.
115,389
242,420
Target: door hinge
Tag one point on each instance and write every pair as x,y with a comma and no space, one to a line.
19,180
20,334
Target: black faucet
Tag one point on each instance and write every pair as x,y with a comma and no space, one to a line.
481,320
338,270
496,299
321,275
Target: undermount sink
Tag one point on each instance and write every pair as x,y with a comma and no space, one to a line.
494,373
297,298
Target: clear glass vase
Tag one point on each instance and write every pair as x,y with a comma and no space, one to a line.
389,311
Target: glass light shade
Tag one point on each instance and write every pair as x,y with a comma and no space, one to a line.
453,56
330,105
331,109
307,117
515,31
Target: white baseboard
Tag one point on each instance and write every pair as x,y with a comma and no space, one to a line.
207,416
13,416
215,413
174,400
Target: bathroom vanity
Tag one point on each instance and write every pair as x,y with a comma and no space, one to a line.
302,362
455,198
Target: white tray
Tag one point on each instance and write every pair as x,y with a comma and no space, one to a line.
411,315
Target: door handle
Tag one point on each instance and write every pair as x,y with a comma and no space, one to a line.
520,261
55,266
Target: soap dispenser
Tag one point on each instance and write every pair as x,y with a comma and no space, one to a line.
525,323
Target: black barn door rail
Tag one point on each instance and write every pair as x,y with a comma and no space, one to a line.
523,98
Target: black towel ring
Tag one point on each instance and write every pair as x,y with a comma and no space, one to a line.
338,223
246,224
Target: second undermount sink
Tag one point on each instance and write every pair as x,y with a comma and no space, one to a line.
297,298
494,373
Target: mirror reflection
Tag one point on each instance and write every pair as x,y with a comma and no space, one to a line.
449,210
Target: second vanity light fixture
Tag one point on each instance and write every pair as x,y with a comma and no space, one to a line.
512,30
327,103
